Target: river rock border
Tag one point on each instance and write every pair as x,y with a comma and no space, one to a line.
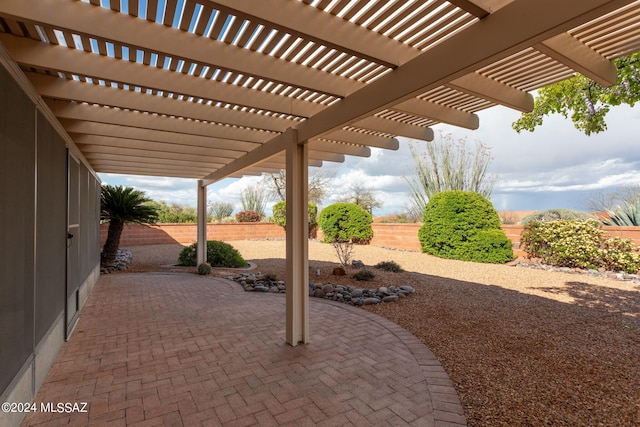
341,293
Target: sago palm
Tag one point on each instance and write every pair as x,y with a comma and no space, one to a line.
120,205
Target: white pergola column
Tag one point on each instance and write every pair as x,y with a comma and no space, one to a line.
201,251
297,312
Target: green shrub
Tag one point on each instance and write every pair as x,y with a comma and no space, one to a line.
280,215
463,225
618,254
564,243
204,269
578,244
248,216
389,266
219,254
364,275
555,214
346,222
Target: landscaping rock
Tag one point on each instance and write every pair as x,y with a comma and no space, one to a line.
357,263
340,293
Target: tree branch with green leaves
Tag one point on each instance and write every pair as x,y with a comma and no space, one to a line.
584,101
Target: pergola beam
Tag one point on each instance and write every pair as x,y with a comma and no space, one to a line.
483,87
116,116
339,147
116,131
439,113
99,23
567,50
72,61
167,147
396,128
354,137
70,90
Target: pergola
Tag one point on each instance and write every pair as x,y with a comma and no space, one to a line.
212,89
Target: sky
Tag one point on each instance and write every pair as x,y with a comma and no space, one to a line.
556,166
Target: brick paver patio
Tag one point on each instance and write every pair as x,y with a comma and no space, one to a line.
184,350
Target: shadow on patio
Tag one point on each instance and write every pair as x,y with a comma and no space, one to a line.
180,349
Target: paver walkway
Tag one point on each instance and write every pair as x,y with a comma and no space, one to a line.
159,349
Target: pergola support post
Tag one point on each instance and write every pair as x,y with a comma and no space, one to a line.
297,230
201,251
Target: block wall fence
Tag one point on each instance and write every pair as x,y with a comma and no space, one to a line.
399,236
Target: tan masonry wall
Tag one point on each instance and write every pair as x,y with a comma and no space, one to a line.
134,234
400,236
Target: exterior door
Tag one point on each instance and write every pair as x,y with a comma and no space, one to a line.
73,245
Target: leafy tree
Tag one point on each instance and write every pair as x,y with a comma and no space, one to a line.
120,205
280,216
362,197
448,165
585,101
254,198
174,213
319,180
220,210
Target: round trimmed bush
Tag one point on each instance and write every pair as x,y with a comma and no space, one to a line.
280,214
219,254
464,225
346,222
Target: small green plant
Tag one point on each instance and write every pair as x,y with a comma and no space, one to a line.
555,214
219,254
364,275
204,269
389,266
464,225
248,216
579,244
346,222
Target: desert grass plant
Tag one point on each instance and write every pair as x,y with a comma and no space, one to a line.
364,275
391,266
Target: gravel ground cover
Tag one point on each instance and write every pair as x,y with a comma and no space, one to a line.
524,347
